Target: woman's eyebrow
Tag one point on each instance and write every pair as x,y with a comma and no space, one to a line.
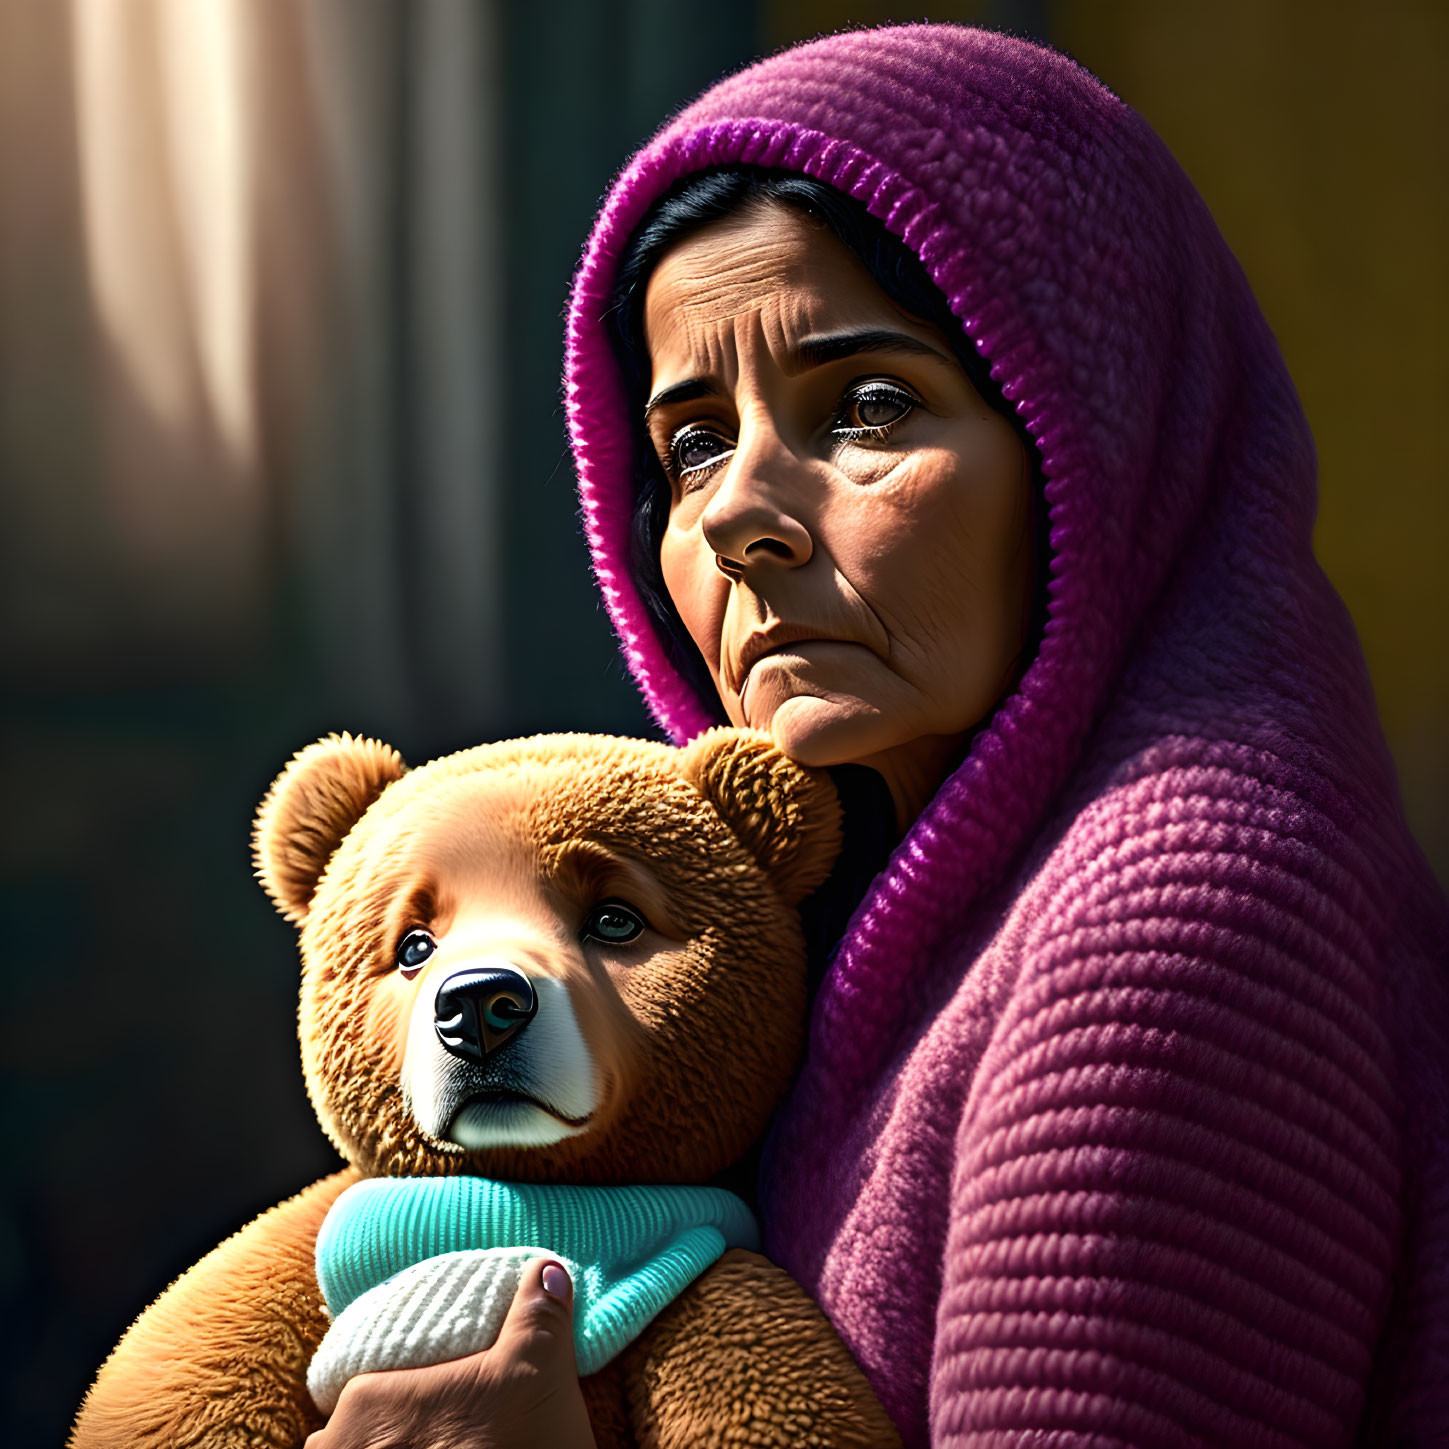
811,352
687,391
816,351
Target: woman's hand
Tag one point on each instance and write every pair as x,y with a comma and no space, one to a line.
522,1392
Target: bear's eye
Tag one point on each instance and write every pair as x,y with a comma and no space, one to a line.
614,923
413,951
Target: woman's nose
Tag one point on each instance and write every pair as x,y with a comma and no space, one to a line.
755,514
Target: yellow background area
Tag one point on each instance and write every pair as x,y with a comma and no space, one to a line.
1318,135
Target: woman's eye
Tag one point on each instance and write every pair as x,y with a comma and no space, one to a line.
874,407
414,950
614,923
696,448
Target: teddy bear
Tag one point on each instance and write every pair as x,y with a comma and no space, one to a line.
557,983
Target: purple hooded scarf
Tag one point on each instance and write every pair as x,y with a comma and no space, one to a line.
1125,1111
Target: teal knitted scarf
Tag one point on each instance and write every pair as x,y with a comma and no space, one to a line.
629,1250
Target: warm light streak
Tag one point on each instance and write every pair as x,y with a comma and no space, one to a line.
166,183
203,54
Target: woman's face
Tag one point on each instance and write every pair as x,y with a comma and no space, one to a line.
849,541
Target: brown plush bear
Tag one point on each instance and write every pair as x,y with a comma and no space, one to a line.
567,959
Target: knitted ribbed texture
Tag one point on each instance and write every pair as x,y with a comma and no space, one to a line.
1125,1112
629,1250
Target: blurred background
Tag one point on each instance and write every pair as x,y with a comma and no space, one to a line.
282,453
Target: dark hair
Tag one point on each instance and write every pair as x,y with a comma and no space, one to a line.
691,204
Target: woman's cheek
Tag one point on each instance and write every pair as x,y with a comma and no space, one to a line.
699,591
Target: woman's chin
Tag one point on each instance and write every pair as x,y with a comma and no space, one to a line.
816,732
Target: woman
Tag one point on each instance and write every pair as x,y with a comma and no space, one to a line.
1125,1111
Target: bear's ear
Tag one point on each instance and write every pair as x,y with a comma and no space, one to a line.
788,817
311,806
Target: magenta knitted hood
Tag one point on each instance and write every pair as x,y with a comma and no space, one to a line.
1179,469
1186,615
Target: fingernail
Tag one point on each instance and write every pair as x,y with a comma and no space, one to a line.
556,1282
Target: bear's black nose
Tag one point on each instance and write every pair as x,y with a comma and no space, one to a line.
476,1011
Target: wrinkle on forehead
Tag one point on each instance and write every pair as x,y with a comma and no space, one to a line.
738,299
765,274
722,270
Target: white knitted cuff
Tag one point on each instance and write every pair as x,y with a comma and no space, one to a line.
440,1309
